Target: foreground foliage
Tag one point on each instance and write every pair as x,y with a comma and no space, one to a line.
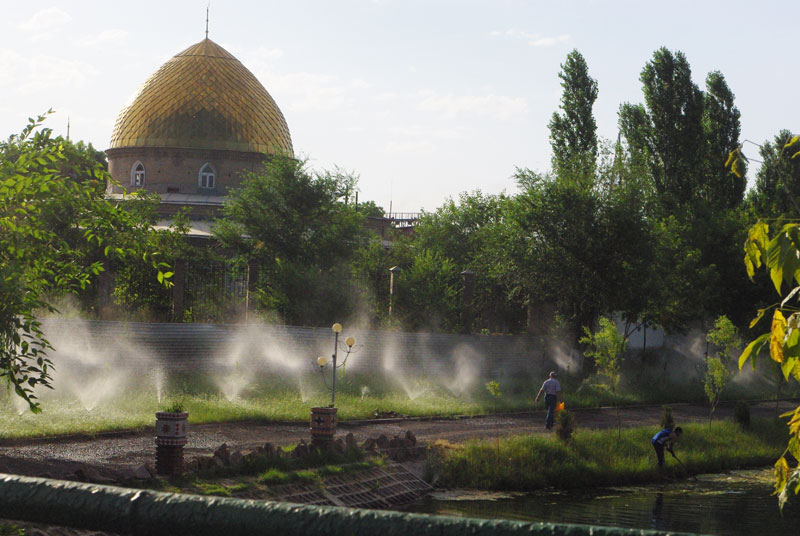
56,228
779,253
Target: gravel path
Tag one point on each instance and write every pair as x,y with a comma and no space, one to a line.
63,457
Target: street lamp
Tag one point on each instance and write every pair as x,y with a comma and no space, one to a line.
347,347
393,271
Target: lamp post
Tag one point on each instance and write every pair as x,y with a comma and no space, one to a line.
323,420
349,343
393,271
468,286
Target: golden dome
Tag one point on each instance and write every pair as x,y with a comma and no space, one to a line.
203,98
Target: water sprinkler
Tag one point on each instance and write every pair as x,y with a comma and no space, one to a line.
348,347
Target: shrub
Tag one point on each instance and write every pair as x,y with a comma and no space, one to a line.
565,425
667,421
175,407
741,413
7,529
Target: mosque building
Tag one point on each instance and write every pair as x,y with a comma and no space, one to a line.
191,129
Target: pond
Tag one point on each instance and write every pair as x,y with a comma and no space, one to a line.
728,504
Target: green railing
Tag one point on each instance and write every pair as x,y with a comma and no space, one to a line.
140,512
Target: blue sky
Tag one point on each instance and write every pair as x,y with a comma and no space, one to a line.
422,99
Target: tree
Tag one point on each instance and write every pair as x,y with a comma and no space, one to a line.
777,186
573,132
55,229
135,289
470,233
668,133
726,341
721,129
554,257
714,381
427,293
298,226
682,136
370,209
607,347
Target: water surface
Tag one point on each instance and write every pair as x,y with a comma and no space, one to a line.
727,504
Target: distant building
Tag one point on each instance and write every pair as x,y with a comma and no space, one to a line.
191,129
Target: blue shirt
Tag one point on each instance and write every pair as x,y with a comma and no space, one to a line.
661,437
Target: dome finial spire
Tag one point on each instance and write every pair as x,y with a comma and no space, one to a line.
208,6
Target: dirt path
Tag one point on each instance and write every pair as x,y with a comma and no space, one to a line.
67,457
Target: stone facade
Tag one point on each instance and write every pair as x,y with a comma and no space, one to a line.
176,170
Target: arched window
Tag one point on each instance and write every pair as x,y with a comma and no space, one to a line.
137,174
207,176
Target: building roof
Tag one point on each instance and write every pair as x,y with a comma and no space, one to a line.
203,98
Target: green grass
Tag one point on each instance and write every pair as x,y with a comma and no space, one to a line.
222,490
277,399
135,409
599,458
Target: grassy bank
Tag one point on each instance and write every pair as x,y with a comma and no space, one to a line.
599,458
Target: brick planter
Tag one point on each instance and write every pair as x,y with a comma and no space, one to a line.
170,439
323,425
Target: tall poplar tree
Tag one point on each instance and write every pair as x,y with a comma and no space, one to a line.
721,128
777,187
667,134
573,131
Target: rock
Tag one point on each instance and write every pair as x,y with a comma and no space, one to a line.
224,454
143,473
338,446
369,444
301,450
411,437
350,441
382,441
236,458
216,461
90,474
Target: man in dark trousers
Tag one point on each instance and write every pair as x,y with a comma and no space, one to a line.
665,439
552,396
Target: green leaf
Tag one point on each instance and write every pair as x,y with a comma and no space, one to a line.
758,317
753,349
789,296
788,366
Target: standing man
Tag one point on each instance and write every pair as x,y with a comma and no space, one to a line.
665,439
552,396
